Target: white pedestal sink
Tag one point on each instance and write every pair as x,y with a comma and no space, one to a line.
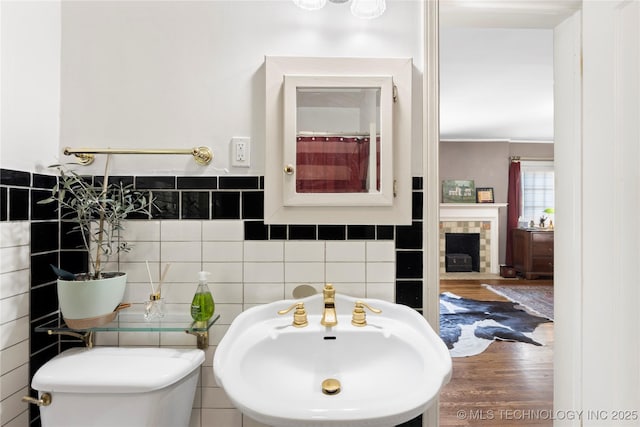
389,371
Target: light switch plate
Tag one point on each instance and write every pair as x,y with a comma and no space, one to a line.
240,152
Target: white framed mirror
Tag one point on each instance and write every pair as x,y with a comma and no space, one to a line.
338,141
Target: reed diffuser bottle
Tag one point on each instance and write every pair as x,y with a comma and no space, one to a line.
202,305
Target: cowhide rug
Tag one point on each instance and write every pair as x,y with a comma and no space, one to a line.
468,326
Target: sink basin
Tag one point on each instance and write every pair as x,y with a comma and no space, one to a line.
389,371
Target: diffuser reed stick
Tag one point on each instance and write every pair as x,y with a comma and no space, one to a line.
163,276
150,278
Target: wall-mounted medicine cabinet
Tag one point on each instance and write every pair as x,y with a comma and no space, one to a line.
338,141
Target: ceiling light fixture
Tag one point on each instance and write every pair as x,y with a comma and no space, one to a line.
365,9
368,9
310,4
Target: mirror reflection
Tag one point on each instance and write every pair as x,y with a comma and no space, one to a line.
334,130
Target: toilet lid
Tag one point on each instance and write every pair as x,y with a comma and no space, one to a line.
116,369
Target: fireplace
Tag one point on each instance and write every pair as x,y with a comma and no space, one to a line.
472,218
463,243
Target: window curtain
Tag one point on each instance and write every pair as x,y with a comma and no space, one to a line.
333,164
514,199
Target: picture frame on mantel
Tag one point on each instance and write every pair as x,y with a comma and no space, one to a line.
484,195
458,191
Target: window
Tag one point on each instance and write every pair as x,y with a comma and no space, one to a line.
537,179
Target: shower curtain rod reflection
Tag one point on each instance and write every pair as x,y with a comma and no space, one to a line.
315,133
530,159
202,155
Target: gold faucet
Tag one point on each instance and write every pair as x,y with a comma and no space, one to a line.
329,317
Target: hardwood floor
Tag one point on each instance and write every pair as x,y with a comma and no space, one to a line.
509,384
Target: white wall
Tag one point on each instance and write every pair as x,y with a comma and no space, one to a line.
29,134
30,118
610,253
181,74
568,241
597,155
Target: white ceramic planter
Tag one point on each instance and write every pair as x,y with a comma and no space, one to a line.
89,303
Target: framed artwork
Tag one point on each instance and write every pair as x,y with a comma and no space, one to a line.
484,195
458,191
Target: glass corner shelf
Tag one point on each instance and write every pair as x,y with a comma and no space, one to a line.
135,322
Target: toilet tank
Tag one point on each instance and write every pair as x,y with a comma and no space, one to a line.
118,386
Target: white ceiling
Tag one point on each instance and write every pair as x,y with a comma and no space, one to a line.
496,68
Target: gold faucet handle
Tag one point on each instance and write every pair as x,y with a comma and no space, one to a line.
299,316
359,317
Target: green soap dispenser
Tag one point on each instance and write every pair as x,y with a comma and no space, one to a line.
202,306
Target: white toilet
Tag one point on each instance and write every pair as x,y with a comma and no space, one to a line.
117,386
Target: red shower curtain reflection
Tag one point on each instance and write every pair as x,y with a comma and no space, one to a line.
333,164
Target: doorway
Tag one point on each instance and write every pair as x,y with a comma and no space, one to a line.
595,79
462,141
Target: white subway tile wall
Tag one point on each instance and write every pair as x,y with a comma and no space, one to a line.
250,264
244,274
304,251
14,321
304,272
345,251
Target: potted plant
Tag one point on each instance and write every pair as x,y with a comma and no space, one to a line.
92,298
544,217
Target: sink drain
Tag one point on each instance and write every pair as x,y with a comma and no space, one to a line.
331,386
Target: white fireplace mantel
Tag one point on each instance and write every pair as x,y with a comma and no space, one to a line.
477,212
470,211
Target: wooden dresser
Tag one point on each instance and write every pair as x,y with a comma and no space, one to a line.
533,253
